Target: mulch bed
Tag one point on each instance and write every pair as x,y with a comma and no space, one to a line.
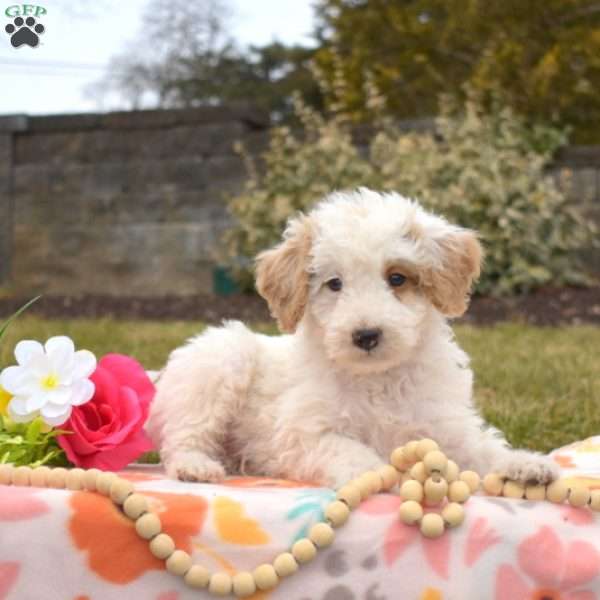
547,306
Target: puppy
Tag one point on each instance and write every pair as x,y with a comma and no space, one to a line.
363,285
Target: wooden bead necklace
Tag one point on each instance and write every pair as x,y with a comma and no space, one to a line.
425,476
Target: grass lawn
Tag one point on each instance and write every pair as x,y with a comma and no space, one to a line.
541,386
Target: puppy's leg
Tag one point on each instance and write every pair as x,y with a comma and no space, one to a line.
198,395
331,459
485,450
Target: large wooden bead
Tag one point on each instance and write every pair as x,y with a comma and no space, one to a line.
6,474
419,472
452,471
75,479
179,563
148,525
220,584
104,481
337,513
425,446
458,491
21,476
135,506
410,452
435,491
265,577
197,577
389,477
579,496
243,584
399,460
535,492
350,494
493,484
432,525
285,565
90,478
472,479
162,546
513,489
595,500
304,551
410,512
557,492
453,514
321,535
368,483
435,462
57,478
39,476
120,490
411,490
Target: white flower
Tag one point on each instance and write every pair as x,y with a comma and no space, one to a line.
48,381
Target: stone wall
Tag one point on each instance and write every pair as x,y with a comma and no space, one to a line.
132,203
125,203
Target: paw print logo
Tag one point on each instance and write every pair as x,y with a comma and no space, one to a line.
24,32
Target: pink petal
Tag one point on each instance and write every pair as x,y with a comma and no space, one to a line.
480,538
9,572
510,585
131,418
128,371
120,456
20,504
437,553
380,504
582,564
541,556
398,538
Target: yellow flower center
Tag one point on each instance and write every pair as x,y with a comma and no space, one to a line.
50,382
5,398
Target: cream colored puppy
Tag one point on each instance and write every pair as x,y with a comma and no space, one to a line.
363,285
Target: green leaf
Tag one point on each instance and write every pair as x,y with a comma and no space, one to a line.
23,308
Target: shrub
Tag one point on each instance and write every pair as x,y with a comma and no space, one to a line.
483,168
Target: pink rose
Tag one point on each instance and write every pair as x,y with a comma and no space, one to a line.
107,432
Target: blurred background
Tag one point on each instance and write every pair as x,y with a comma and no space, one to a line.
149,149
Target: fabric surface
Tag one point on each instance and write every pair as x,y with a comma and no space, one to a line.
61,545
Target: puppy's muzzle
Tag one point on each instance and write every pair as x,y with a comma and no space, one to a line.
366,339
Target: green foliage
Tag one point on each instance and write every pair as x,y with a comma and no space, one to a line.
484,169
30,444
545,55
487,170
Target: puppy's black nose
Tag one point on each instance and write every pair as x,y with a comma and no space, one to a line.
366,339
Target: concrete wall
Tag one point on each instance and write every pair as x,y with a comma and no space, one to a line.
121,203
132,203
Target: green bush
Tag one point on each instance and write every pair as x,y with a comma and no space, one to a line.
483,168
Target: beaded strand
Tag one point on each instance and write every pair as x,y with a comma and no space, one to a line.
426,477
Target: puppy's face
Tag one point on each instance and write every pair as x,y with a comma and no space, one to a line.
364,272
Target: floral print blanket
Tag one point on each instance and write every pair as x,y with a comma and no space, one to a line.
61,545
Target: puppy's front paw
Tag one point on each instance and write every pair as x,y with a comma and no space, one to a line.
528,467
194,465
342,472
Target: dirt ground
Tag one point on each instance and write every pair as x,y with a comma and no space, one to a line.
548,306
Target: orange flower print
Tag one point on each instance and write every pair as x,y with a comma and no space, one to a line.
99,528
564,460
9,573
558,571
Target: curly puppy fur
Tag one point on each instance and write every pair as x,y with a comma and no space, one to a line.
315,404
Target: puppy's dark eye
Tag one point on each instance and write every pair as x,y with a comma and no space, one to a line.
396,279
335,284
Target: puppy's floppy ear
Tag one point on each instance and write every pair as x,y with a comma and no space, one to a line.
282,274
458,264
